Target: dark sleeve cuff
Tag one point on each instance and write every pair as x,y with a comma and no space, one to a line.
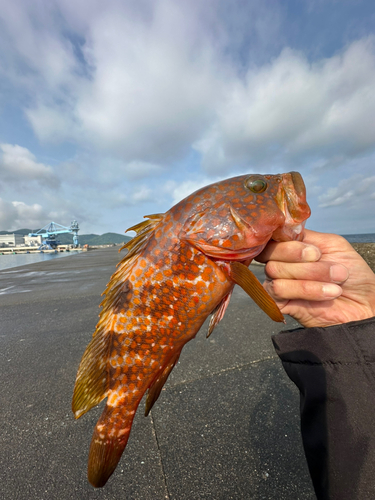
352,342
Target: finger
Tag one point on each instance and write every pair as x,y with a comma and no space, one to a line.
282,290
289,251
313,271
325,241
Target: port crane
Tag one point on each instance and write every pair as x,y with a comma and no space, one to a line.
51,230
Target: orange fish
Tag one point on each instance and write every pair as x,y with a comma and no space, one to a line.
180,268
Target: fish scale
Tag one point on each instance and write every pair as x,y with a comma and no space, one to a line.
177,271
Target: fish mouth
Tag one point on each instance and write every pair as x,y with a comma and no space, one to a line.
292,232
292,202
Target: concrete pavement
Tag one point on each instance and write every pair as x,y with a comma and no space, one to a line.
226,426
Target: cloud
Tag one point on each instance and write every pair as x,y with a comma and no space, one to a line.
141,103
141,169
181,190
41,59
17,215
168,76
144,90
18,165
291,108
135,195
353,192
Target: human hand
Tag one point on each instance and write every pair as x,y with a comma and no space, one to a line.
320,281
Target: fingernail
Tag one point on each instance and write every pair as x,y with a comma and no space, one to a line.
338,273
310,254
331,291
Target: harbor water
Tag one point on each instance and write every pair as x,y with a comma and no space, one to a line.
360,238
16,260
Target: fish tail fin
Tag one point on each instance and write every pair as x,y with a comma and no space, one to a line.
107,445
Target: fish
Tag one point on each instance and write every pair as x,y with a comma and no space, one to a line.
180,268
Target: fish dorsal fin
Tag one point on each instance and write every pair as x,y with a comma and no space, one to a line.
134,248
157,385
242,275
218,313
92,381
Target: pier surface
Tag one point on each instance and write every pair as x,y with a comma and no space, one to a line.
226,426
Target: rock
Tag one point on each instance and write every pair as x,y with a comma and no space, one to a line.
367,252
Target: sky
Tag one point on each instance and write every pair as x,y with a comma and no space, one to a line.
113,110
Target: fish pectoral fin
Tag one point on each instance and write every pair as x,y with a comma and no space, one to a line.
218,313
242,275
157,385
92,378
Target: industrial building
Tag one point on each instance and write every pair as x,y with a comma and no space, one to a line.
11,240
33,241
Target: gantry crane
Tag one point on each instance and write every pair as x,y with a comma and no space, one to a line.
51,230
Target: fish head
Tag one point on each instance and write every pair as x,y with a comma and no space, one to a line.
235,218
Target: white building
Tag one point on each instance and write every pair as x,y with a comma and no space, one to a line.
32,241
11,240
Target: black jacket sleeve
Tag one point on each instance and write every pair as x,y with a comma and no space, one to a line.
334,370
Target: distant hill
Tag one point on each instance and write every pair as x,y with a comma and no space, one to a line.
83,239
23,232
95,239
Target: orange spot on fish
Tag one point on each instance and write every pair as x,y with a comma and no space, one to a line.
226,244
150,271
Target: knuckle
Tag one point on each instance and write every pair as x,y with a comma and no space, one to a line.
306,287
276,289
272,269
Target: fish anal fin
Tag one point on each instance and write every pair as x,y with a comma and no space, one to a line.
158,383
92,378
242,275
218,313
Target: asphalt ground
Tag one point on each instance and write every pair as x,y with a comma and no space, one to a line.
226,425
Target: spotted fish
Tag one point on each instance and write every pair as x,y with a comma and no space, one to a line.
179,268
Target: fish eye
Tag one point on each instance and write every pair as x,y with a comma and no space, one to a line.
256,185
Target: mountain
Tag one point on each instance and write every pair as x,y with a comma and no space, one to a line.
83,239
94,239
23,232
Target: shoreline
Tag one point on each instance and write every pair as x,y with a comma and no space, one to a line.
365,250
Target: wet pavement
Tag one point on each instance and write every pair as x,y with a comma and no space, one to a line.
226,425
